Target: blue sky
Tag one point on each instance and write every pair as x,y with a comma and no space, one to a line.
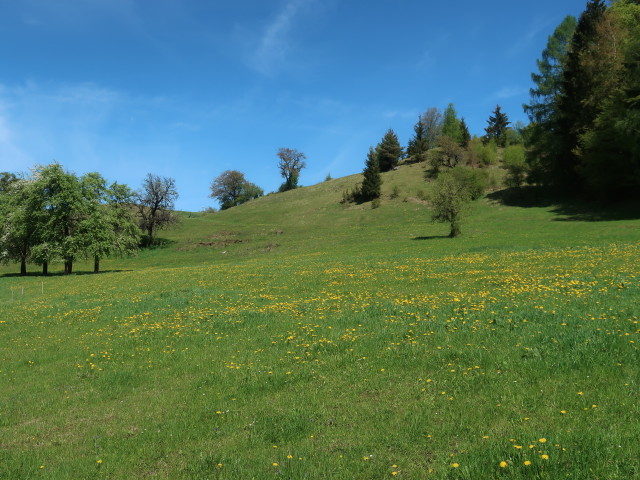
190,88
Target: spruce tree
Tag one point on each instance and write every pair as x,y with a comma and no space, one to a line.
419,144
497,127
372,181
389,151
466,136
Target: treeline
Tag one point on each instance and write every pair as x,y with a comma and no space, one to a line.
584,135
53,215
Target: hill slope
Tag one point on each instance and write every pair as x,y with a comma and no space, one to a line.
294,337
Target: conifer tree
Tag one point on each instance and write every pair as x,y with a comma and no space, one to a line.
372,181
419,144
451,124
497,128
389,151
466,136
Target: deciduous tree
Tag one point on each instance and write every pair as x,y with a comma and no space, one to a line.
231,188
155,202
291,162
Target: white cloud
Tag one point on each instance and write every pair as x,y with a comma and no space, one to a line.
275,42
509,92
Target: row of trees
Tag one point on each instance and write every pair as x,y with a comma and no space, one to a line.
52,214
585,106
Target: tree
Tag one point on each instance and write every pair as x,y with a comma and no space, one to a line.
547,89
372,181
290,163
155,202
19,222
389,151
497,128
418,145
450,198
6,180
63,211
230,188
448,154
451,124
464,133
120,200
514,162
577,108
432,120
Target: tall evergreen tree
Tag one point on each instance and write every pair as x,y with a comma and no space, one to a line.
497,127
451,124
466,136
418,145
577,108
372,181
389,151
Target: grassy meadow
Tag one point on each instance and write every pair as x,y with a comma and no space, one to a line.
295,337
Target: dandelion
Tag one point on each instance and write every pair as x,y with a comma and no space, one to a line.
544,456
542,440
275,464
99,461
527,463
503,464
455,465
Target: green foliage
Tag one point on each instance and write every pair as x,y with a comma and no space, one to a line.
482,154
496,129
231,189
450,199
389,151
448,154
465,135
451,125
516,165
419,144
474,180
548,82
290,163
372,181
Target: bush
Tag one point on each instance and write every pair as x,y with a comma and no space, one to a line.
396,192
515,164
475,181
375,203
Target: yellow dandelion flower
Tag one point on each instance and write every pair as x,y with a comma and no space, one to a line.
544,456
542,440
275,464
527,463
503,464
455,465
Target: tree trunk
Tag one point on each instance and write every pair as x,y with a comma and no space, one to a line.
96,264
45,268
23,266
68,267
455,229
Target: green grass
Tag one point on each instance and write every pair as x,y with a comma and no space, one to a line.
295,337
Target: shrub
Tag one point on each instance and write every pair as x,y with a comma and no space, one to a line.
475,181
515,164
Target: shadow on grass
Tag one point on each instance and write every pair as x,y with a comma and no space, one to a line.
431,237
156,243
61,274
567,209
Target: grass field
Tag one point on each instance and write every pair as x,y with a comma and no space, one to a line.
294,337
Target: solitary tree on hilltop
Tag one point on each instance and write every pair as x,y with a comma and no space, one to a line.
290,163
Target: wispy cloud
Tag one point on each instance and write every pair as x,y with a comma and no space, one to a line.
275,43
537,27
509,92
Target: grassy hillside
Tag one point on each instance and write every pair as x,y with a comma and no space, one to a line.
295,337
